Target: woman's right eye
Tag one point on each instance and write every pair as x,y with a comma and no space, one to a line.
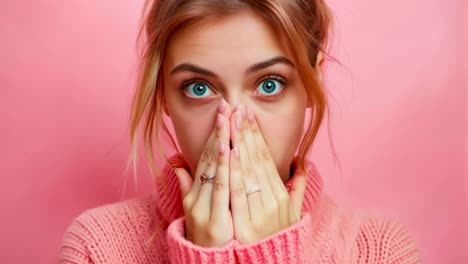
197,90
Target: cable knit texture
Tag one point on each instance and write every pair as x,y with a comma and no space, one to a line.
122,232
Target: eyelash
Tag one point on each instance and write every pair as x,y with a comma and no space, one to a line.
275,77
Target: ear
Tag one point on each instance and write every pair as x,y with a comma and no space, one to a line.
318,63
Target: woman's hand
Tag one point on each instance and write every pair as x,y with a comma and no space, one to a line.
208,220
264,212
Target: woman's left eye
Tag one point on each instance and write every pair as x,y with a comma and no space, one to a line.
272,85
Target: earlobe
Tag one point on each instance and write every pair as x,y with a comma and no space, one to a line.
318,64
319,59
319,74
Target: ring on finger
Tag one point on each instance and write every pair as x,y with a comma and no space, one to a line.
206,178
253,189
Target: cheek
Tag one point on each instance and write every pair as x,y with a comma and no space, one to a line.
192,134
283,132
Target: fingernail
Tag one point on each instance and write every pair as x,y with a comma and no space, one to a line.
250,115
222,148
243,110
240,108
236,152
222,106
238,119
219,121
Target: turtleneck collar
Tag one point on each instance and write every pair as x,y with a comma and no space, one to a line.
169,200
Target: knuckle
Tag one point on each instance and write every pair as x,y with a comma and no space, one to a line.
192,215
205,156
255,156
196,208
254,128
272,207
208,157
237,190
274,214
240,138
219,185
283,198
247,171
219,132
187,203
257,223
259,227
212,232
243,235
196,219
258,170
212,159
235,165
221,161
198,223
266,155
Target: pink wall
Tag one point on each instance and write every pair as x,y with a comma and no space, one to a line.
464,43
399,117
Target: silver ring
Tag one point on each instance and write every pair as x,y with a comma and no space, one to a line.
207,179
252,189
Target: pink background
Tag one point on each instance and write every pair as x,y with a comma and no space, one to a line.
399,117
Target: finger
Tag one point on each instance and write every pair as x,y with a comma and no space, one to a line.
239,206
268,199
219,137
185,181
265,156
203,202
209,153
220,196
220,193
278,189
296,193
249,179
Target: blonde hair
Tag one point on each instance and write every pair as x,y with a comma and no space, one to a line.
303,25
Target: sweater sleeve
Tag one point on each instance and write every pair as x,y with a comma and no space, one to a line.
74,247
386,241
285,246
184,251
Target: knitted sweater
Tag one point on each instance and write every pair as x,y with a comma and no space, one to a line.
122,232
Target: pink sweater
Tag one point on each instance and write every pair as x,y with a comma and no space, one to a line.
120,233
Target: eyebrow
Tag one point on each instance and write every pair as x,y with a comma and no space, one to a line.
254,68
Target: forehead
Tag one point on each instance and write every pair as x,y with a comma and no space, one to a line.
241,38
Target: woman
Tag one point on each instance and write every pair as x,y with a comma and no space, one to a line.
235,78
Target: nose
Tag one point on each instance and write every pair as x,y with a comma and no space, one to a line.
232,105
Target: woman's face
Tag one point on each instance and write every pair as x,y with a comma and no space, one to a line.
240,59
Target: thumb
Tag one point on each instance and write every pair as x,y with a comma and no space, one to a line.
297,190
185,180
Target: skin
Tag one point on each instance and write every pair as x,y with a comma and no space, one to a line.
264,128
212,46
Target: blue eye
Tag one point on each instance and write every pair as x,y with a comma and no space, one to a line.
271,87
197,90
